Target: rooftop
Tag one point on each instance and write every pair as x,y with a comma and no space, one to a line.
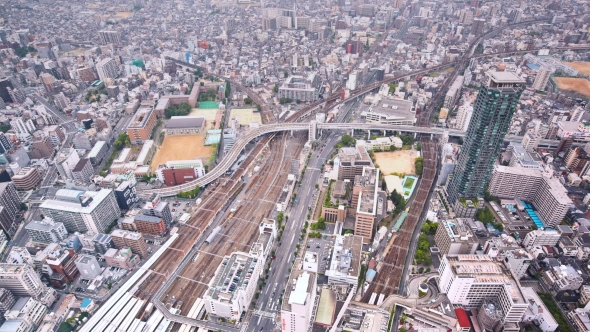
140,118
346,257
505,77
368,197
185,122
233,273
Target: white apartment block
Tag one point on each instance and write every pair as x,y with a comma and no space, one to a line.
107,68
352,81
562,277
297,311
23,128
81,211
21,280
27,309
546,193
540,237
470,279
542,78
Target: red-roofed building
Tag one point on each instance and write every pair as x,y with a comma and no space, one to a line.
464,325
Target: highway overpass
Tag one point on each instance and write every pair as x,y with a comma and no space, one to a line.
233,154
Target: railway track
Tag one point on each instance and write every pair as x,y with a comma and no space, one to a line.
240,231
390,272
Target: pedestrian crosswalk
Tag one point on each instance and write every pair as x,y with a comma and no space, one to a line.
265,314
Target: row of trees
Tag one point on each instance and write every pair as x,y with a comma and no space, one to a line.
419,165
321,224
181,109
285,100
423,251
398,200
487,217
189,194
122,141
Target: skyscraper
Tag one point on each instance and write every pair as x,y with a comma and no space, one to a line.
107,37
4,85
493,110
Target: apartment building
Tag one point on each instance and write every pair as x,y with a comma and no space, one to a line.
546,193
469,280
346,260
46,231
22,280
352,162
27,178
128,239
65,161
83,211
9,206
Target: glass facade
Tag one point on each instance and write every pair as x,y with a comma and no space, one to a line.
493,110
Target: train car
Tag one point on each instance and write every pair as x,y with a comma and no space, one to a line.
213,234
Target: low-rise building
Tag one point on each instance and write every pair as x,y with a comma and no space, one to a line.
141,126
392,111
122,258
562,277
149,224
158,208
88,266
185,125
98,152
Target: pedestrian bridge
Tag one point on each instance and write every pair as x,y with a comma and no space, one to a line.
313,128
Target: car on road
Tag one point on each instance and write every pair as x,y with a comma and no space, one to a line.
173,210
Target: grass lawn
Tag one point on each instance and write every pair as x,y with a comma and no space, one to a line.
409,183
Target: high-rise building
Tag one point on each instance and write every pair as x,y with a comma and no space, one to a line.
62,101
46,231
546,193
541,237
81,211
493,110
109,37
542,78
470,280
107,68
4,85
9,206
21,280
478,26
297,310
83,171
364,200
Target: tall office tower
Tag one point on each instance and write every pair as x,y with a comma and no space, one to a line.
7,300
107,68
9,206
542,77
493,110
4,85
109,37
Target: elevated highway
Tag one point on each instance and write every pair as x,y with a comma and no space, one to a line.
233,154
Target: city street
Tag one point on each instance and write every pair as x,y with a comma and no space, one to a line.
267,307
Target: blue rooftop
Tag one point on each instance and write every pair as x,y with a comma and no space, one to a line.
85,302
534,217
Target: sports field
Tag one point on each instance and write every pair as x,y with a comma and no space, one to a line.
181,147
401,162
579,85
582,67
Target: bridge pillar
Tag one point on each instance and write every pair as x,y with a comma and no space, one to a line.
415,135
352,132
313,131
368,134
384,132
431,137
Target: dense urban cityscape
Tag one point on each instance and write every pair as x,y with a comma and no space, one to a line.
244,166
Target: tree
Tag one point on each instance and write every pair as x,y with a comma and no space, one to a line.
201,83
247,101
23,207
346,140
181,109
392,148
419,165
275,89
286,74
4,128
429,227
418,146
